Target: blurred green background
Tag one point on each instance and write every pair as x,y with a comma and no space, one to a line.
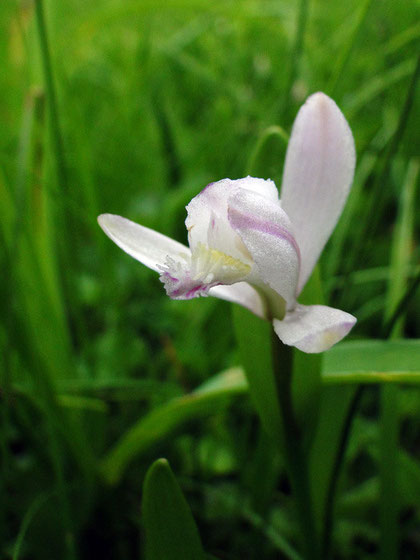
132,107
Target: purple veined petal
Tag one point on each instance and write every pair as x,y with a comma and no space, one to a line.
207,221
146,245
265,230
313,328
317,176
241,293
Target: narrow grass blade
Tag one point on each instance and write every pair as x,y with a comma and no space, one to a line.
402,39
26,522
52,96
402,304
377,86
345,55
268,155
373,210
335,404
296,54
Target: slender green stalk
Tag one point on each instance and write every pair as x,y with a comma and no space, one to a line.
328,524
51,94
296,53
374,206
389,497
47,391
27,520
296,462
389,418
402,305
389,413
267,134
62,241
6,383
56,456
347,51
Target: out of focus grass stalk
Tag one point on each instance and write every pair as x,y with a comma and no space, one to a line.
389,471
296,53
345,54
33,270
51,94
373,210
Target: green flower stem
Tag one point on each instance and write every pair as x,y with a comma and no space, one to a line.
296,462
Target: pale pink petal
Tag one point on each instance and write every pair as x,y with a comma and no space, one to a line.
207,210
313,328
317,176
145,245
264,187
266,232
207,221
241,293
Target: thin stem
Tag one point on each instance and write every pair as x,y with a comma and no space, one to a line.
27,520
345,55
57,140
331,491
296,52
267,134
52,96
389,499
375,203
390,409
296,462
389,463
402,306
6,378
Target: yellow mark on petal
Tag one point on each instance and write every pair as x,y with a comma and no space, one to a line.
213,265
329,338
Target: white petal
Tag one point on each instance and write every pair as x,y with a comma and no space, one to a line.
317,176
266,232
264,187
241,293
146,245
207,220
313,328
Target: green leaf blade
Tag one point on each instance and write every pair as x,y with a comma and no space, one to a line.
171,533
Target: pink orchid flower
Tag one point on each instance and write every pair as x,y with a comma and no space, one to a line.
249,247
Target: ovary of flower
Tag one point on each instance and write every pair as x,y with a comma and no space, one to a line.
248,247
